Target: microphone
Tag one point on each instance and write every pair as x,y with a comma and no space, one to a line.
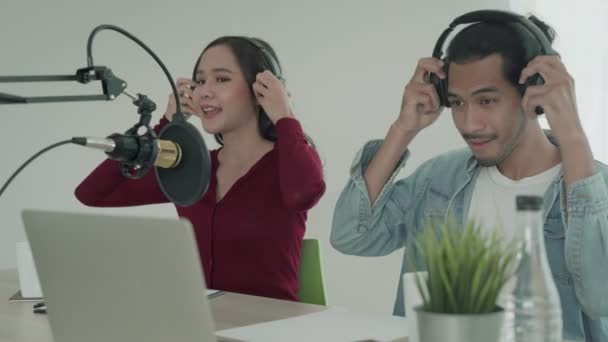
135,149
179,155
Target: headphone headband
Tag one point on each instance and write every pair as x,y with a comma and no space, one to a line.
272,62
498,17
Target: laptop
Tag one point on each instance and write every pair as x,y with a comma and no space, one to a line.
117,278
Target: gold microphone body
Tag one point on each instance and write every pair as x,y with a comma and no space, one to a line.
169,154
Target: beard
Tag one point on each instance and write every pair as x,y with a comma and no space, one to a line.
506,148
486,162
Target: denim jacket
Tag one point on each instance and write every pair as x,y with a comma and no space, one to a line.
575,228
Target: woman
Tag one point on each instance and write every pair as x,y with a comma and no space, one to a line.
250,224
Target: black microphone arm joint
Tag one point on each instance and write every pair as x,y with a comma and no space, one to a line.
137,167
112,86
145,106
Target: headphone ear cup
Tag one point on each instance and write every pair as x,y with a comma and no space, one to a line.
443,94
441,87
535,80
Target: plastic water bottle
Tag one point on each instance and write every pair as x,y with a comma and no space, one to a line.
533,311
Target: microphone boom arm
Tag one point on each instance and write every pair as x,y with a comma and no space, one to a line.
176,139
112,86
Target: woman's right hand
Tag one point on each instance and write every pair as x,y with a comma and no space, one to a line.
184,90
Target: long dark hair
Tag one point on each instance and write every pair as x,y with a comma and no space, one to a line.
252,60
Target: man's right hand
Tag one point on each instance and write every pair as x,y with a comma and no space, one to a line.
420,106
185,86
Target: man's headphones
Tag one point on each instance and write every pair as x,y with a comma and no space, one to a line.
488,16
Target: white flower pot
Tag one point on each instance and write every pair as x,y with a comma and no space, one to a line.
439,327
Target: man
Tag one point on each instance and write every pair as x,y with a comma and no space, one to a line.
486,68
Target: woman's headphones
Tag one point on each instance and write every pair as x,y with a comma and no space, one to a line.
271,62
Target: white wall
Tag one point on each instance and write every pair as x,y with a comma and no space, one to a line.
346,63
577,25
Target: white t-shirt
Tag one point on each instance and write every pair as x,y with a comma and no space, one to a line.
493,202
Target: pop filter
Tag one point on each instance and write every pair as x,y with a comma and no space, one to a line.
187,182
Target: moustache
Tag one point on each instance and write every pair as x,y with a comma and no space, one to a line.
471,136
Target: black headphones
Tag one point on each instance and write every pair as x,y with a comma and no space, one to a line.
270,61
489,16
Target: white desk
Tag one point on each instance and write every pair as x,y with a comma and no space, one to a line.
230,310
19,323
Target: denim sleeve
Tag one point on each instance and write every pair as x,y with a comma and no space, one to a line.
363,230
587,242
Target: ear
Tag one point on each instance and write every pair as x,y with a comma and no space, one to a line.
532,116
529,116
254,97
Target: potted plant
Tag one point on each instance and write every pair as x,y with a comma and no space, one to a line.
466,269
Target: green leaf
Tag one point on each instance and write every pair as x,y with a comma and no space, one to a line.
466,268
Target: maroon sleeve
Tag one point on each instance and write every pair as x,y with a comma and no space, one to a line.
300,169
107,187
